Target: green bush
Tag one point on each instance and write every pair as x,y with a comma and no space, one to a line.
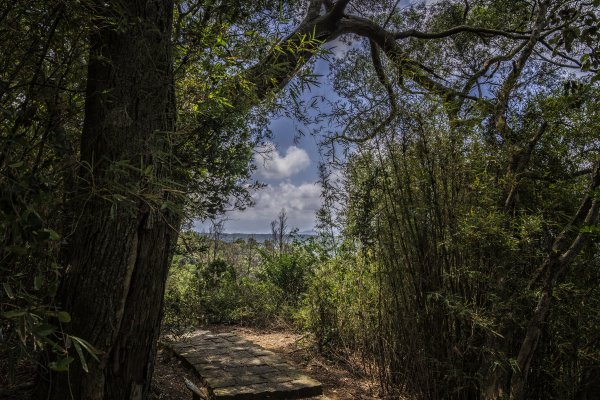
340,307
217,291
181,297
290,272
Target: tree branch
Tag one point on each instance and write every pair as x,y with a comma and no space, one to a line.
486,67
386,41
381,76
518,165
460,29
313,10
511,81
289,56
337,11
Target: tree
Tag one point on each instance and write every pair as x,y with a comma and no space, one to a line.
486,85
425,203
122,244
126,211
279,232
216,232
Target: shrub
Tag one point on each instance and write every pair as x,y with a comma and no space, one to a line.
217,291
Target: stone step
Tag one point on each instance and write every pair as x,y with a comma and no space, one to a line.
233,368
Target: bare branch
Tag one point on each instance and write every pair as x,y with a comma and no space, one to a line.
386,41
460,29
583,216
389,17
511,81
559,53
556,63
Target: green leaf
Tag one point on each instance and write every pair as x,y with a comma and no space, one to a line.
87,346
52,234
61,365
81,357
8,290
22,330
38,281
64,317
44,330
14,314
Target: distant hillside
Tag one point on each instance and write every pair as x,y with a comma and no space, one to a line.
259,237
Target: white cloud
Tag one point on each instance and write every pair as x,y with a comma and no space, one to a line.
271,165
300,201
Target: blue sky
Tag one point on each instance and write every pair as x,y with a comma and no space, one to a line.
291,172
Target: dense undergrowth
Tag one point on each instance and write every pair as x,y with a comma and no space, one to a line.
440,268
238,283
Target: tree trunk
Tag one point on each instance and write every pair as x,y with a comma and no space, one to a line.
566,247
122,243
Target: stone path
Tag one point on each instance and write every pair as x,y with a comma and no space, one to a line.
234,368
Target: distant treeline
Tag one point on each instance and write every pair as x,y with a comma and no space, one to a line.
258,237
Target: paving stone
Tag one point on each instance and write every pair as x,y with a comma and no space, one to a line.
235,369
262,369
223,382
244,355
279,378
231,393
214,373
182,346
272,360
246,380
194,359
204,346
240,342
307,382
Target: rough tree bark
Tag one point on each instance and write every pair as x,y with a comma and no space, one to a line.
121,244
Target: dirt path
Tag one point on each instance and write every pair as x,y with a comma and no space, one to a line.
338,382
